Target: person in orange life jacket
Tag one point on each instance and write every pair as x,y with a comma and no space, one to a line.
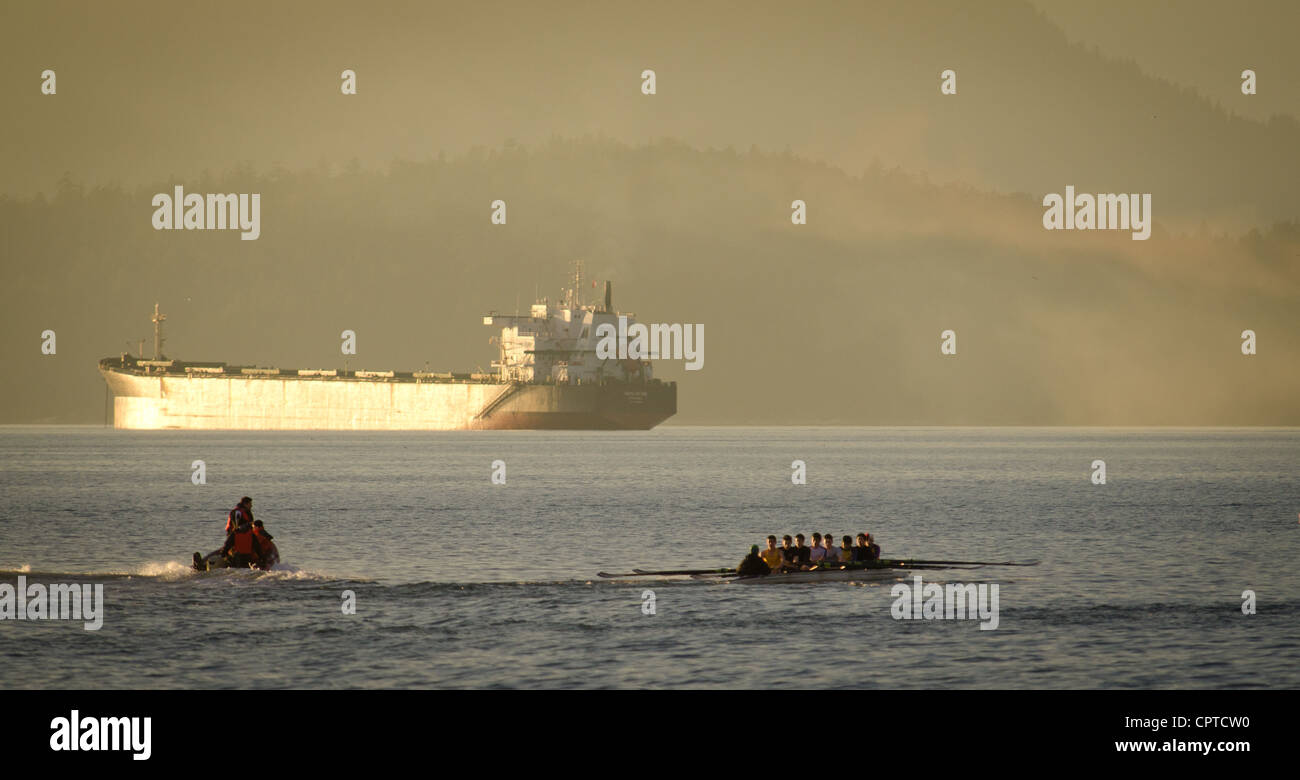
270,555
242,547
243,512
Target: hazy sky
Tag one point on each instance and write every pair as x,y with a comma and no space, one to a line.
924,209
1203,44
148,90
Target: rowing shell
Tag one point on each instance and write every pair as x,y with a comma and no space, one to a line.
823,575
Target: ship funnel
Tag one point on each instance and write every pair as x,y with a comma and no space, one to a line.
609,297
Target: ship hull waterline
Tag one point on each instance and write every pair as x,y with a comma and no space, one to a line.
203,402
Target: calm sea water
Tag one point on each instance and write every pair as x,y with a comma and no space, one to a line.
460,582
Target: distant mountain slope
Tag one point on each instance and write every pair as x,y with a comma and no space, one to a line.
837,321
144,97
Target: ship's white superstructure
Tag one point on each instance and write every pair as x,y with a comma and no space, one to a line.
556,342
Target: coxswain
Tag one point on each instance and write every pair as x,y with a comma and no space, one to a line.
243,512
242,547
753,565
771,556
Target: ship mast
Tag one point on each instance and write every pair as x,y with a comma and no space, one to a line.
575,294
157,333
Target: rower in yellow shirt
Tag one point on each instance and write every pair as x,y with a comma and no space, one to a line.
772,555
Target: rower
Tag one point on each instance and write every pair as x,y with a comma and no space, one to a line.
818,553
802,552
865,551
831,553
789,554
753,565
846,550
771,556
875,548
861,553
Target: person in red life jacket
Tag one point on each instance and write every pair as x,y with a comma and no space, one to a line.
270,556
242,547
242,513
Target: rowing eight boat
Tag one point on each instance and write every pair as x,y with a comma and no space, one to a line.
818,575
850,572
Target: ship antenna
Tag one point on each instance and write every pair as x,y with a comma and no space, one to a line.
157,333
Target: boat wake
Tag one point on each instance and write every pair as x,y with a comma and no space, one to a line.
176,571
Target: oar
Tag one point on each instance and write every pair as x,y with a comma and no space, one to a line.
877,565
673,573
908,565
913,563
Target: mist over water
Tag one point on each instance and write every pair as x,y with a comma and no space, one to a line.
459,582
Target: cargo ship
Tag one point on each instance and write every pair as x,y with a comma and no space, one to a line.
547,376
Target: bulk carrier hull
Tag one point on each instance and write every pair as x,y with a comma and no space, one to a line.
206,400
